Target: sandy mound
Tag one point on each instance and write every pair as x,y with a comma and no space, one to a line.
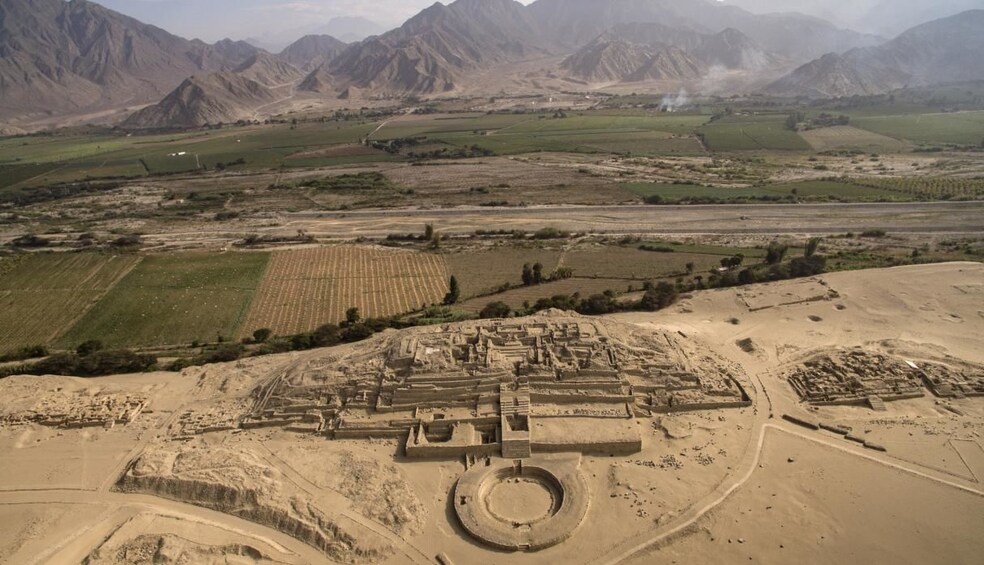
377,490
241,484
168,549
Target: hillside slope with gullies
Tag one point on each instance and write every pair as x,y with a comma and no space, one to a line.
440,48
437,47
651,51
312,51
61,58
317,81
945,50
207,99
269,71
612,60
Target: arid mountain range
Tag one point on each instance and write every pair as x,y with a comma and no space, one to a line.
75,58
946,50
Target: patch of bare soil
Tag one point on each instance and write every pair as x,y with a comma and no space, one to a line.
167,549
377,490
239,483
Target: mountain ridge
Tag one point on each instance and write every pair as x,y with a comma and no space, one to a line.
944,50
59,57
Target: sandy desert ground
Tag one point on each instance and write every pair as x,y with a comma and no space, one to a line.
174,477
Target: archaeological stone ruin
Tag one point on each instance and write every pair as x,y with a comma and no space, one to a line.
497,388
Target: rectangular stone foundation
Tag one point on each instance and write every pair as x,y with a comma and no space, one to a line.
602,436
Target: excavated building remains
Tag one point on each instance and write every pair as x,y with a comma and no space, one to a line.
858,376
80,409
510,388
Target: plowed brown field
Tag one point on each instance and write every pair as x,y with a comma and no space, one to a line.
305,288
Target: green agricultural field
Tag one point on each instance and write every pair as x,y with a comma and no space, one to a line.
602,123
636,264
679,192
469,123
11,175
836,190
511,134
482,272
42,295
702,249
739,133
961,128
174,299
516,297
38,160
802,190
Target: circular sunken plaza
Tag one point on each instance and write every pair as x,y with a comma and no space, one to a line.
522,505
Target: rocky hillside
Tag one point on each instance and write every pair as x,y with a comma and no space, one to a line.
60,57
269,70
312,51
432,50
318,81
635,52
208,99
612,60
946,50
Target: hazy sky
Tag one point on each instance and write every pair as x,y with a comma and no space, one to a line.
212,20
282,21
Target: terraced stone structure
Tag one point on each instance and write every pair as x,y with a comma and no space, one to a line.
860,376
544,385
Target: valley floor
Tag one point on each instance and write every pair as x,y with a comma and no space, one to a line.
718,486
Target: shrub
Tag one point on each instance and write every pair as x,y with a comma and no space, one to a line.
658,297
775,253
356,332
495,310
89,347
550,233
28,352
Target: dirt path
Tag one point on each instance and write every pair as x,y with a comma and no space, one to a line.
384,123
119,508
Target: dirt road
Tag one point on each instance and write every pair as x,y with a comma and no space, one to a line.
936,217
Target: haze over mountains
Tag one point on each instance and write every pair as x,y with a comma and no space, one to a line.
70,58
946,50
882,17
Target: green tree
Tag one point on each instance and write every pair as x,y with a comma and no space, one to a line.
812,246
537,273
89,347
325,336
527,275
747,276
495,310
262,334
356,332
562,273
454,292
775,253
690,268
658,297
352,316
793,120
428,232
